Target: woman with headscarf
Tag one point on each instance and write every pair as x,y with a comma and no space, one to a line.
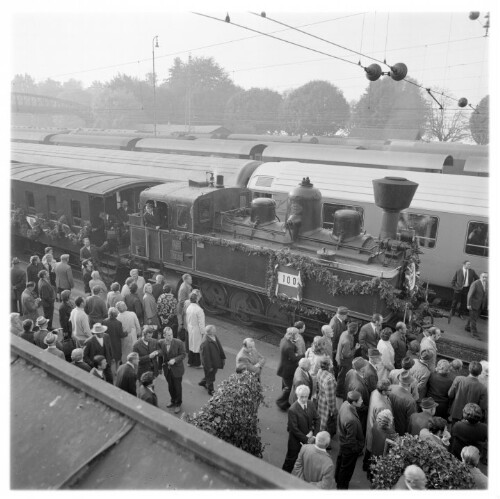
249,359
316,353
131,326
327,410
150,309
387,353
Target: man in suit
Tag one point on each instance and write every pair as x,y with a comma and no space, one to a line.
338,325
95,308
18,283
183,295
289,360
158,286
99,344
301,377
461,283
466,390
147,349
351,439
47,296
303,424
403,404
64,275
126,374
314,465
477,299
369,335
212,357
355,382
171,357
77,360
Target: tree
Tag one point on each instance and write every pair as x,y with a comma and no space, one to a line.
116,109
253,111
442,469
231,414
200,90
316,108
479,122
446,124
23,83
50,88
389,104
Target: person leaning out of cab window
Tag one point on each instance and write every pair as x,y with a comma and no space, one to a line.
150,217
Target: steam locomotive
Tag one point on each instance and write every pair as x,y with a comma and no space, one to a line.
248,262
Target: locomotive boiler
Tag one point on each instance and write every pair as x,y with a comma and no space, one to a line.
261,269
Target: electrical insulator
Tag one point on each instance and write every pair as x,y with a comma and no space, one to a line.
373,72
398,71
262,14
462,102
473,16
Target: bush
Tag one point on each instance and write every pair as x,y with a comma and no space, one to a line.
231,414
442,469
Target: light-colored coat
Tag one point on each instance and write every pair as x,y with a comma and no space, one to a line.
387,352
314,466
378,402
131,326
195,324
64,276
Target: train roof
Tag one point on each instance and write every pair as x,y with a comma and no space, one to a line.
91,140
437,193
100,184
35,136
208,146
72,431
157,166
457,150
346,156
478,165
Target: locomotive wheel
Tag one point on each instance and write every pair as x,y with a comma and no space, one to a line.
243,305
213,296
279,315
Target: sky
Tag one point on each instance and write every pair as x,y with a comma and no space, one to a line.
442,50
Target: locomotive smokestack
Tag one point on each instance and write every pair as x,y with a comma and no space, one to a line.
392,194
219,183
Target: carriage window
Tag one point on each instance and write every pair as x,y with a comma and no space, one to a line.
204,210
76,213
264,181
329,210
425,227
30,201
182,216
52,207
477,239
262,195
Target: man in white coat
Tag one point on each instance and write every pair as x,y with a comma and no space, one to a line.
195,324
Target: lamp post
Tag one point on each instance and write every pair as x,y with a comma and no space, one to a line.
155,39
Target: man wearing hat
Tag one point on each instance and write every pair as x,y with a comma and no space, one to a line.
18,283
419,420
406,364
126,377
351,439
64,275
421,373
39,336
99,344
147,390
50,340
338,325
403,404
369,335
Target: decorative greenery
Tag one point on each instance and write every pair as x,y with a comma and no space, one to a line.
231,413
442,469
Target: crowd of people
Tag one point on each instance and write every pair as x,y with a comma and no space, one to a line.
366,385
369,386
